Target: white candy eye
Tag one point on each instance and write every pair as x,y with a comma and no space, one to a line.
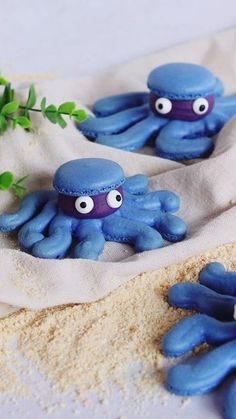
114,199
163,105
84,204
200,106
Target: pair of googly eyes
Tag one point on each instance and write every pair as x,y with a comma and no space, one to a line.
85,204
164,105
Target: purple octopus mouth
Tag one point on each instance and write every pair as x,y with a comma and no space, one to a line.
184,110
97,206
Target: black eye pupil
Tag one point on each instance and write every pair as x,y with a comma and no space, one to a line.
118,198
202,108
160,106
83,204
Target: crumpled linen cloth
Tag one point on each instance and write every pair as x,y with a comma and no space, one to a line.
207,188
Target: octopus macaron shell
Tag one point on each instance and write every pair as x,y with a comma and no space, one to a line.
88,176
184,81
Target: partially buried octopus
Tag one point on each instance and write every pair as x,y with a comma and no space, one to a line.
94,202
215,299
184,108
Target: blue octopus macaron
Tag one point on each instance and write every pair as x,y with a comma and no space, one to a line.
94,202
182,111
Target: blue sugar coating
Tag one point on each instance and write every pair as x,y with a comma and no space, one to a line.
88,177
183,81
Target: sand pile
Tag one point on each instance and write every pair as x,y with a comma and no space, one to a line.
85,347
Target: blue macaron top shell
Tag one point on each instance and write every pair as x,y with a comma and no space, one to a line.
183,81
89,176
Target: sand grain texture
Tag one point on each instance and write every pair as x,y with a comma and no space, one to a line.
82,348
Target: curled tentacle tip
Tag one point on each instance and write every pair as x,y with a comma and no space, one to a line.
213,268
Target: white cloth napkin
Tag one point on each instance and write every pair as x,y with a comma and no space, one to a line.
207,188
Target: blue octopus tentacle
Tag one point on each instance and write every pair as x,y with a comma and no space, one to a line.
113,104
219,88
215,276
214,122
166,200
91,239
198,297
195,330
123,230
31,232
28,207
59,239
230,401
179,141
205,374
136,136
171,227
94,126
136,185
227,105
131,212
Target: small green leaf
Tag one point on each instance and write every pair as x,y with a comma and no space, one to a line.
6,180
31,97
51,113
8,95
79,115
23,122
43,106
67,107
10,108
3,123
61,121
3,81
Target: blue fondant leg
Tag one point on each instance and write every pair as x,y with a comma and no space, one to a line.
172,228
91,239
181,140
31,232
165,200
137,233
195,330
215,276
94,126
135,137
205,374
136,185
227,105
59,239
198,297
132,212
230,401
113,104
29,205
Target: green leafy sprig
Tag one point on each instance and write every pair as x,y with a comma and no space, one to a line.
8,182
12,112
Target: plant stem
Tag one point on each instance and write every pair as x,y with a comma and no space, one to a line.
39,110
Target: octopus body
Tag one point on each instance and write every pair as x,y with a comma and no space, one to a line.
215,299
94,202
183,109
